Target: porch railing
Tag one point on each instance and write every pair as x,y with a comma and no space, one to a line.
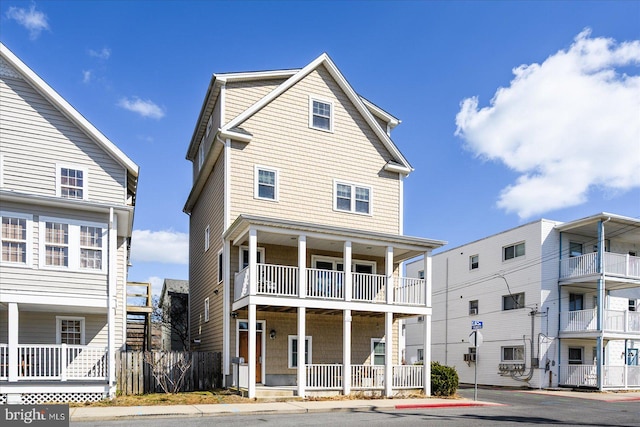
369,287
367,376
327,284
61,362
578,320
587,264
241,284
586,320
578,375
277,280
407,376
324,376
409,291
4,361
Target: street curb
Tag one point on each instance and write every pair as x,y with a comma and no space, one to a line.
446,405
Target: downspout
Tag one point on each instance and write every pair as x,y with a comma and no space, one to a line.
111,304
600,293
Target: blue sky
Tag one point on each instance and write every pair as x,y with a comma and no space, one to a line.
511,111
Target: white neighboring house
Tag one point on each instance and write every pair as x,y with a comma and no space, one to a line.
67,197
571,286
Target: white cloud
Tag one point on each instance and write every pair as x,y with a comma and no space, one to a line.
568,125
146,108
164,246
104,53
33,20
86,76
156,285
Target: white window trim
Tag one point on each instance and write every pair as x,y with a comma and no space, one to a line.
29,243
372,356
59,320
74,245
256,184
511,297
207,238
502,359
85,179
353,186
290,350
206,309
331,116
514,251
471,267
246,248
337,260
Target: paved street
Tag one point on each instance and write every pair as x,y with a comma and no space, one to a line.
521,408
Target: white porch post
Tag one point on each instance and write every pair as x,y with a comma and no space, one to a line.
302,266
346,352
111,303
388,267
348,278
253,273
252,351
302,342
426,359
13,342
600,309
388,354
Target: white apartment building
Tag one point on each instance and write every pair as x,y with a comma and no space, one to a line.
553,298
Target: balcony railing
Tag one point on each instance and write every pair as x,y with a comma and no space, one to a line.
56,362
623,376
586,320
614,264
281,280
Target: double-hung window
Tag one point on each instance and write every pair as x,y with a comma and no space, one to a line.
72,182
15,239
70,330
474,262
266,183
320,114
512,251
73,245
352,198
377,351
90,247
56,244
294,351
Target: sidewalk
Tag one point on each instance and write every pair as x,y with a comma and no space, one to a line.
293,407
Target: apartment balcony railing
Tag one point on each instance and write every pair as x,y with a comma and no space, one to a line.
614,264
622,321
624,376
283,281
56,362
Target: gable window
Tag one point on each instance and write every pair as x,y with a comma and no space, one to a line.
294,351
513,301
377,351
575,355
473,307
513,251
56,244
207,238
474,262
266,183
320,114
90,247
206,309
513,354
15,239
352,198
70,330
71,183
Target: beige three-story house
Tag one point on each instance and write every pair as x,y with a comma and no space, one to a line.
67,198
296,241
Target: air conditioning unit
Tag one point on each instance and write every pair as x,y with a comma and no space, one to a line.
473,311
469,357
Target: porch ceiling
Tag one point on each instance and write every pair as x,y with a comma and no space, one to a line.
622,228
23,307
242,313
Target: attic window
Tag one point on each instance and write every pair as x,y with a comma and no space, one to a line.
320,114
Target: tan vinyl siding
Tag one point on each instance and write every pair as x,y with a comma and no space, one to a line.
242,95
32,129
309,160
203,266
208,140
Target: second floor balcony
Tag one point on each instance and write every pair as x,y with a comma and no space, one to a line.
615,265
613,322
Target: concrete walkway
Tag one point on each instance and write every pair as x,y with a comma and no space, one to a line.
258,408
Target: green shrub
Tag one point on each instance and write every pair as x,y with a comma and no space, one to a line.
444,380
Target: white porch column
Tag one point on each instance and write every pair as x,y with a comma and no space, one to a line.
253,260
426,333
252,351
388,267
13,342
111,299
346,352
348,278
388,354
302,361
302,266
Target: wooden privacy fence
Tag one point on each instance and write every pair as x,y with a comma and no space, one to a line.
135,375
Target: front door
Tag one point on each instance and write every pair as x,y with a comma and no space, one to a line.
632,357
243,348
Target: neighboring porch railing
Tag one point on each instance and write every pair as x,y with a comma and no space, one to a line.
623,376
61,362
367,376
369,287
579,375
407,376
586,320
587,264
327,284
578,320
324,376
409,291
4,361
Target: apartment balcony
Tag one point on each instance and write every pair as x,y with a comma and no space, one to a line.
617,267
284,281
616,323
614,377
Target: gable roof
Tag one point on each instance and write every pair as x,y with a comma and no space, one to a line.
73,115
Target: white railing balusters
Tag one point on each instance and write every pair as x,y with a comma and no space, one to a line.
324,376
584,265
369,287
326,284
407,376
61,362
